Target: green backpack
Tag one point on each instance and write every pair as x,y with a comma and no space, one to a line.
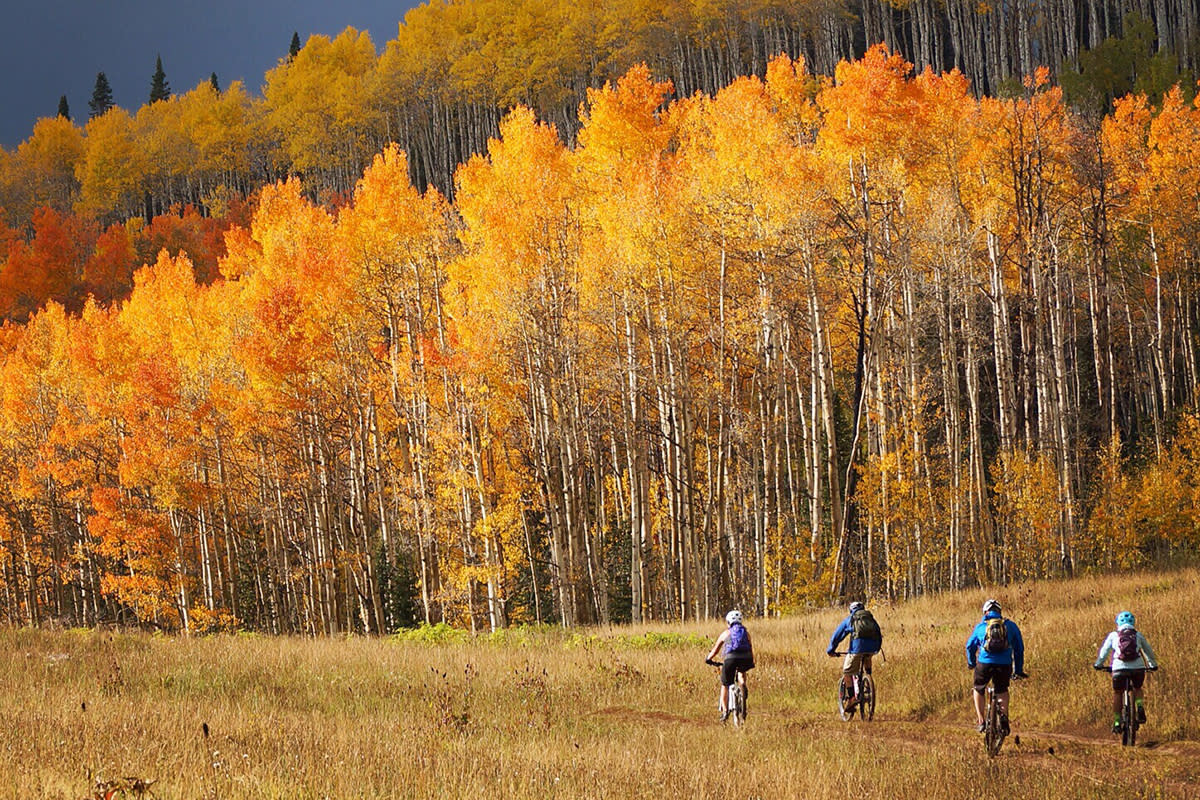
864,626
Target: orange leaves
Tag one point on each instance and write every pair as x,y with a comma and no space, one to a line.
873,111
140,541
47,269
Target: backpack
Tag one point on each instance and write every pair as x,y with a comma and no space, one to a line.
995,636
739,640
1127,645
864,626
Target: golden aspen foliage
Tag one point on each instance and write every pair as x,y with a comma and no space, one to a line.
44,166
113,166
321,104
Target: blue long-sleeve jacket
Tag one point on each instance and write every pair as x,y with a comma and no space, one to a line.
856,645
1015,654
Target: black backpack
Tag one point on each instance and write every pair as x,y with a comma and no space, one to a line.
995,636
864,626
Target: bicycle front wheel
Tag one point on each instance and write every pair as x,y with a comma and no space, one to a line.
992,734
737,698
1128,720
843,698
866,698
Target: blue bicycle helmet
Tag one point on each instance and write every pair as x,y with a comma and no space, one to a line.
1125,620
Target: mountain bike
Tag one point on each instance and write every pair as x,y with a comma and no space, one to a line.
863,689
993,730
737,696
1129,717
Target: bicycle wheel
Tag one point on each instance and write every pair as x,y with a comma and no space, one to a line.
1129,722
866,698
843,697
737,703
993,736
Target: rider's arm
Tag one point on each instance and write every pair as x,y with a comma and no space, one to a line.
839,633
718,645
1147,652
1105,650
972,646
1018,646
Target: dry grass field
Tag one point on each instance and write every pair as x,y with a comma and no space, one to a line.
611,713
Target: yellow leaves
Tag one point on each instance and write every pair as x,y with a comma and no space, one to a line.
517,219
792,92
321,102
112,168
45,165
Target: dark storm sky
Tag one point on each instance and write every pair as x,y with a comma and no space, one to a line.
49,48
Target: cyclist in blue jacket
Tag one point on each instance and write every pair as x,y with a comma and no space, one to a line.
994,649
864,644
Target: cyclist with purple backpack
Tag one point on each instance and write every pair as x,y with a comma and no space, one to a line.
1131,657
739,657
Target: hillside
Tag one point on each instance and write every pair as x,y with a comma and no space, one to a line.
606,712
792,341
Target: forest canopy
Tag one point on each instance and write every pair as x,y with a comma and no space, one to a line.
792,339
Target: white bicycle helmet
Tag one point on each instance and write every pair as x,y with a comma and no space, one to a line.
856,606
733,616
991,605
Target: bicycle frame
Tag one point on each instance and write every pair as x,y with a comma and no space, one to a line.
736,705
864,691
993,732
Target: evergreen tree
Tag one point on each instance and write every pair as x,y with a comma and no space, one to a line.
295,47
216,85
102,96
64,110
159,88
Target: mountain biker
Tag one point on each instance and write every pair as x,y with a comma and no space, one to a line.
739,657
865,641
1131,657
994,648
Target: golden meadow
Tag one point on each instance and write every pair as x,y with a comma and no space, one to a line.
612,712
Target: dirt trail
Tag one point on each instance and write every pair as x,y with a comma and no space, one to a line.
1090,757
1169,769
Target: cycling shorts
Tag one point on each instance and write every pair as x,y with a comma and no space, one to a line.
998,674
1131,678
733,664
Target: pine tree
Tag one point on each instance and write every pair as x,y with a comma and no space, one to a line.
64,110
294,50
216,85
102,96
159,88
